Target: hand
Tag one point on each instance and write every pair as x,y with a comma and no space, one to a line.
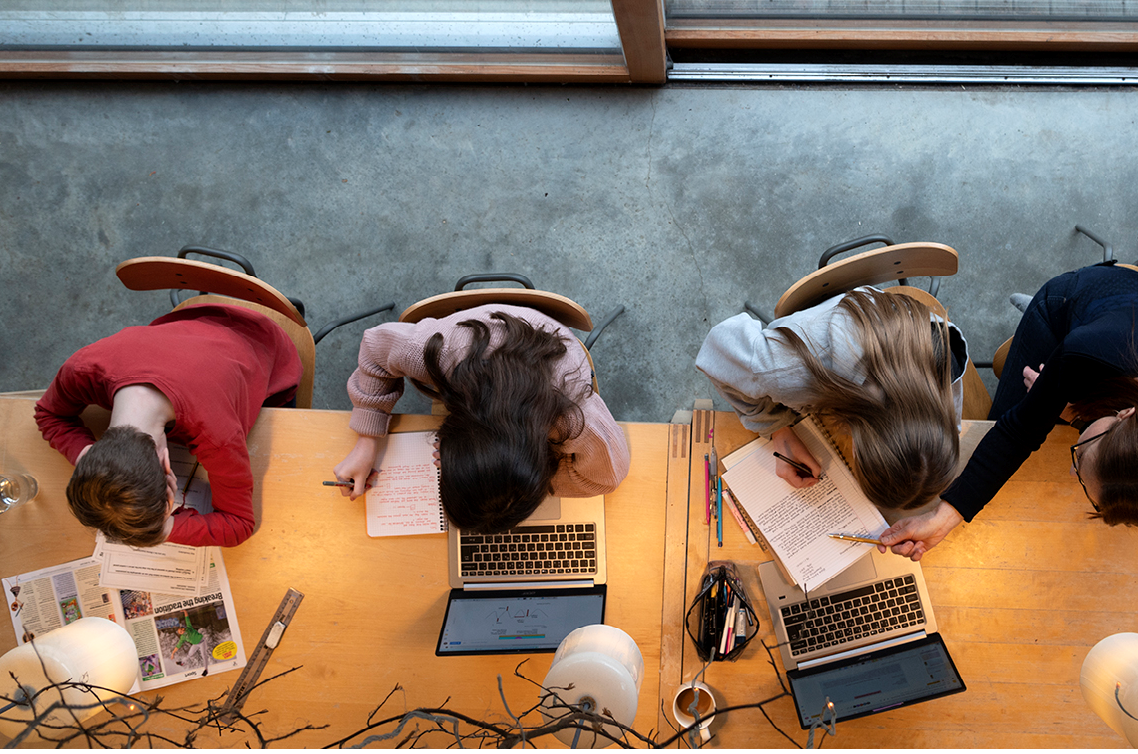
82,453
1029,376
914,536
788,444
357,467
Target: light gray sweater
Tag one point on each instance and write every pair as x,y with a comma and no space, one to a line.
766,382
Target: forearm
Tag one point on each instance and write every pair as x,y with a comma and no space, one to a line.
63,430
231,495
597,460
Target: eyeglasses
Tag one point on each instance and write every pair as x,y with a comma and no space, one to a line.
1075,454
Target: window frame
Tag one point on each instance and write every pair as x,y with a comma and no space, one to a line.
640,24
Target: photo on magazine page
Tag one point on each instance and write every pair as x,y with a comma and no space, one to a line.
194,639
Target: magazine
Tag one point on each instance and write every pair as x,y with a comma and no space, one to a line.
178,637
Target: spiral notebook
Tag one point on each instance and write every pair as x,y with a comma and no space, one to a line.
796,522
405,498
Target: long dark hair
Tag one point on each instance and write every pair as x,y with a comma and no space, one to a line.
507,412
902,418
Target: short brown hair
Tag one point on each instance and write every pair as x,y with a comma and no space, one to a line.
119,488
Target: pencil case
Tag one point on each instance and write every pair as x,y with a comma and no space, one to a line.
720,619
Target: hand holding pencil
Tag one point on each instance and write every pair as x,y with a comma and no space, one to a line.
793,457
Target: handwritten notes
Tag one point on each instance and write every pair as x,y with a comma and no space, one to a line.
797,523
405,498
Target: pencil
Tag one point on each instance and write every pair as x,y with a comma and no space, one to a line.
339,484
851,538
731,506
796,464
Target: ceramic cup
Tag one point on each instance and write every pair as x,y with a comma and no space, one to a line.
699,694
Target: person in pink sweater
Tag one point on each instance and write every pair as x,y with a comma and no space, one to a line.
198,377
524,421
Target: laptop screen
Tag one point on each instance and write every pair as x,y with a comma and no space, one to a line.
516,621
870,683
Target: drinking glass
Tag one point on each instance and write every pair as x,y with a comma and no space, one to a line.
17,489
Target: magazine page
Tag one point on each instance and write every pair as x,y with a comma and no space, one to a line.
51,598
177,637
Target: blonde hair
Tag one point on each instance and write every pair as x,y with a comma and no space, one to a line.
902,418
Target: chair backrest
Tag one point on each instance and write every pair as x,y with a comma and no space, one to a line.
235,289
564,310
159,273
868,268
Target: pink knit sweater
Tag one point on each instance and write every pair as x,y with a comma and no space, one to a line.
597,453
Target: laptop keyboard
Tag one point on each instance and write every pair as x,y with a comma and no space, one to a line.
531,551
879,608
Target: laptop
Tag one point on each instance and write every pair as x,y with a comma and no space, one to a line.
526,589
866,639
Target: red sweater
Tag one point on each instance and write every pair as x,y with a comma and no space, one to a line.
217,365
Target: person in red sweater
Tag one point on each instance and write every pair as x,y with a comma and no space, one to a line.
198,377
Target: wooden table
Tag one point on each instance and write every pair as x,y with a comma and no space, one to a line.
373,607
1021,595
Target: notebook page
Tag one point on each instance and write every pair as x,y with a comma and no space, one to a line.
796,523
405,498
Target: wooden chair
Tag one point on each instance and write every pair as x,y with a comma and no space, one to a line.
219,285
892,262
564,310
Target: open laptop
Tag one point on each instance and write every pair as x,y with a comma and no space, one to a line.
526,589
866,639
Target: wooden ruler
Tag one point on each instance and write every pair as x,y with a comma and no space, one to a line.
264,650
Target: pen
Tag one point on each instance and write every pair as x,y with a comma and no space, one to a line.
707,486
719,509
851,538
189,479
796,464
339,484
733,506
714,475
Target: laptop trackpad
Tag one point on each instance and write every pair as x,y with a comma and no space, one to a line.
549,510
862,570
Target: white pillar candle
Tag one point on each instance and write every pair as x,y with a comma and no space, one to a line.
1111,662
605,668
92,651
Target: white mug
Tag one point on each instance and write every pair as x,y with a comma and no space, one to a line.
699,693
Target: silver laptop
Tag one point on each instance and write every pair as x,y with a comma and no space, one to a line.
878,602
561,545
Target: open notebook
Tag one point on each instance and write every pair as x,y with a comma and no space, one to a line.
796,522
405,498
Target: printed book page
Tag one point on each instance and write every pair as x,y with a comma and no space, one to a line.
166,568
797,523
405,498
176,637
